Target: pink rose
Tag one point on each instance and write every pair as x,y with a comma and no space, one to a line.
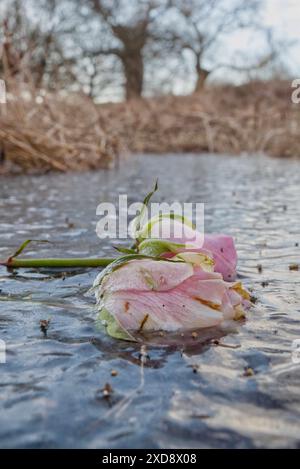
148,294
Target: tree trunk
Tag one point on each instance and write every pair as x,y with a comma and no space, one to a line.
134,74
202,75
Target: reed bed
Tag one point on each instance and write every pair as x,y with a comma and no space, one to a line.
257,117
46,132
55,132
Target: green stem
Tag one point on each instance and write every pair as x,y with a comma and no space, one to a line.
57,262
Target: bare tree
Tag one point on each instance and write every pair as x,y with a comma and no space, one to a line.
129,27
103,45
200,26
30,49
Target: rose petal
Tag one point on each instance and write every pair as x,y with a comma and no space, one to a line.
147,275
224,254
169,311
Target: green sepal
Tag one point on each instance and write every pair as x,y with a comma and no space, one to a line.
124,250
157,247
112,327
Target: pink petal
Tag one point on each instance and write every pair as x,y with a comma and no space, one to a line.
224,253
169,311
208,290
147,275
162,295
221,248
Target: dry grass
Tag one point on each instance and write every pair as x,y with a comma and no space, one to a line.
54,134
258,117
74,134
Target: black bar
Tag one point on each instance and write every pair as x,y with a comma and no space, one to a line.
140,457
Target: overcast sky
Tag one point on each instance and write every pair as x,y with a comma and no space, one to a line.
284,15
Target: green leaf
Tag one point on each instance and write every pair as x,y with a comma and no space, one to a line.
136,222
125,250
112,326
23,245
156,247
149,196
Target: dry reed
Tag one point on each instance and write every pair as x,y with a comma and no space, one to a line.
50,132
41,133
257,117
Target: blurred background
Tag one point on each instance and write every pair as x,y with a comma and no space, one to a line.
91,87
111,51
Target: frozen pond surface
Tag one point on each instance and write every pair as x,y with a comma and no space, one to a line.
194,395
